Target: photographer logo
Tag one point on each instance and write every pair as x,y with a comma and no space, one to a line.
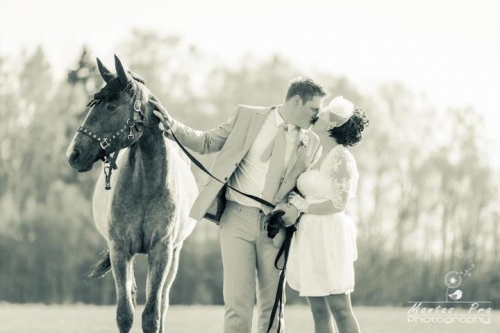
455,308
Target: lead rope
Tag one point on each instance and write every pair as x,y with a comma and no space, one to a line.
284,250
279,302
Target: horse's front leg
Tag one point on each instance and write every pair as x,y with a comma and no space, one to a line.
159,259
123,274
172,272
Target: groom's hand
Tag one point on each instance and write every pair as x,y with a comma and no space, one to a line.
160,112
291,214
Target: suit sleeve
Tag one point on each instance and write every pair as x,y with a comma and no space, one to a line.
204,142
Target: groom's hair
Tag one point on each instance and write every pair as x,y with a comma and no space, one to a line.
306,88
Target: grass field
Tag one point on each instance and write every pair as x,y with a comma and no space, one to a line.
208,319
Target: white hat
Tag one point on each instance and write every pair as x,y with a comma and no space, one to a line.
341,110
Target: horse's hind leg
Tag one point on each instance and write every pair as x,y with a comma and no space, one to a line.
123,274
159,258
168,284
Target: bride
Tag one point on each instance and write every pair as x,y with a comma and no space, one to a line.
320,265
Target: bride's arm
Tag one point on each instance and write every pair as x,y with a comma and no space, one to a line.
322,208
342,171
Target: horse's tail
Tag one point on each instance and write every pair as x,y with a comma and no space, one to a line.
101,268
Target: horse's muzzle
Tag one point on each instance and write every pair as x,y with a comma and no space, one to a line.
79,162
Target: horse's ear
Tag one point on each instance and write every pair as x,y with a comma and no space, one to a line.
125,78
105,73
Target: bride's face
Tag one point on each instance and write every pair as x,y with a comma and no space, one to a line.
322,123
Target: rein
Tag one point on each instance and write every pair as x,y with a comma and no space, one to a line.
106,143
284,250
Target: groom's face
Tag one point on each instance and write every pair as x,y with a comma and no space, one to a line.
307,113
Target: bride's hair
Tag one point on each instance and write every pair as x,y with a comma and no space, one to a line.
351,132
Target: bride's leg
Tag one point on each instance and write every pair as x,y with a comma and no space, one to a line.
340,306
321,315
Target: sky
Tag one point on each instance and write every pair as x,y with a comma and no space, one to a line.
447,49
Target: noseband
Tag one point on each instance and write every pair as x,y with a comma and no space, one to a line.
106,143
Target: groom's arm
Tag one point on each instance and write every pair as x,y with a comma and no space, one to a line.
203,142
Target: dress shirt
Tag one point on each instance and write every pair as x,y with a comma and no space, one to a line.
250,175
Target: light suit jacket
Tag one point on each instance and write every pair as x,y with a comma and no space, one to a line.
232,140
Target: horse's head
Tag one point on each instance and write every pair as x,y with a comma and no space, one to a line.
115,120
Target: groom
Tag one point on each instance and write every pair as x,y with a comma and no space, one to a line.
262,151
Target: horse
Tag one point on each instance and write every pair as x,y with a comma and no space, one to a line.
146,209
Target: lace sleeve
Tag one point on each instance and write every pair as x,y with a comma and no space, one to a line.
344,176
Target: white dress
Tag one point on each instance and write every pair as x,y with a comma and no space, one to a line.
323,248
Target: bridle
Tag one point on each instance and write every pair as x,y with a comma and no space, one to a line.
108,143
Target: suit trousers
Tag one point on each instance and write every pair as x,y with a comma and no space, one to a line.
248,257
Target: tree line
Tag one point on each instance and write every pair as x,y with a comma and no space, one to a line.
426,202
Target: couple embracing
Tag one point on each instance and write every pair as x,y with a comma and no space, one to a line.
295,156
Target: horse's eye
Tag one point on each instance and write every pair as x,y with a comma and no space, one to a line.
111,107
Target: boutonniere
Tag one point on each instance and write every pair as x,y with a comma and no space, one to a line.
304,140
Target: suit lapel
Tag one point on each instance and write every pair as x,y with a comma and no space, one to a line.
256,123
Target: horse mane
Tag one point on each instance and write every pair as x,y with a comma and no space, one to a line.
136,77
112,89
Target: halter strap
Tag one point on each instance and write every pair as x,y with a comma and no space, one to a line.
106,143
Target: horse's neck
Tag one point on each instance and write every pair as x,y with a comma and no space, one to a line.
148,161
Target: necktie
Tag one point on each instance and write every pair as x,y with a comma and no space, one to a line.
275,153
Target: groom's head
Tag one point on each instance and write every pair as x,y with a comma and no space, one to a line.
303,102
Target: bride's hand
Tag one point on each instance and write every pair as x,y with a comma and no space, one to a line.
298,202
291,214
292,195
160,112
